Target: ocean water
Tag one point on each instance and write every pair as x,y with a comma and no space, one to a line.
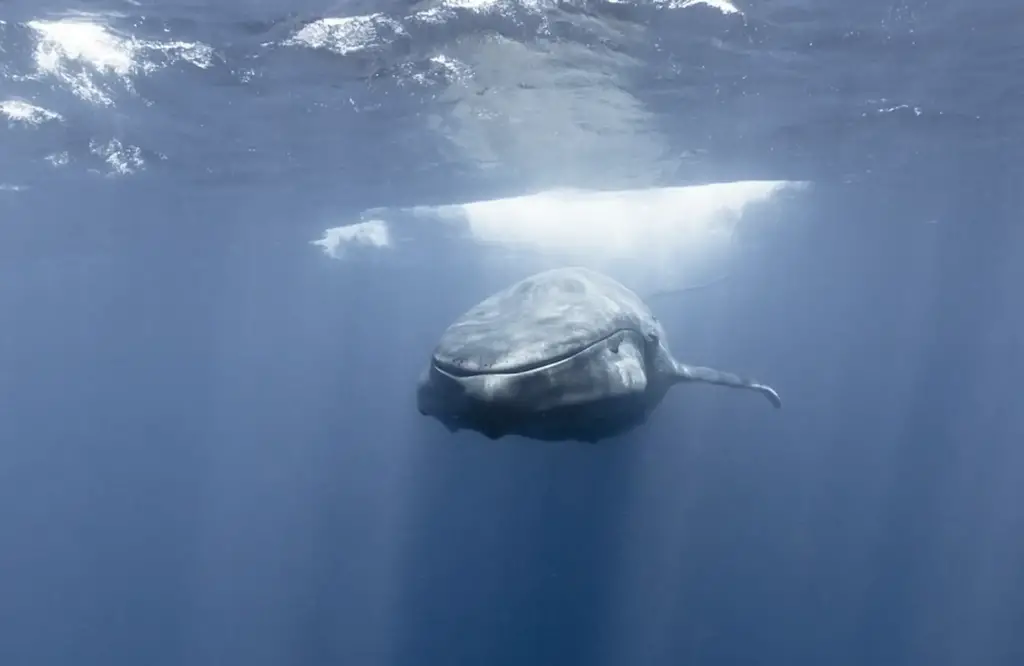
232,232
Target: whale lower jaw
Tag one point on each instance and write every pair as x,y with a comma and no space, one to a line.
608,369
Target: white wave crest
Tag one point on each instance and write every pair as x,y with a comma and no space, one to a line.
373,234
624,223
21,111
81,52
123,160
723,6
659,237
59,159
346,35
445,11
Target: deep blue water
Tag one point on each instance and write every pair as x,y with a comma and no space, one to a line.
209,447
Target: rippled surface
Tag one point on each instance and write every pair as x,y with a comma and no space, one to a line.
497,94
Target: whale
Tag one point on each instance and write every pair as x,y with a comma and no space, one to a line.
567,354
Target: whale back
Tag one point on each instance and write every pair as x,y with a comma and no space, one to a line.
540,320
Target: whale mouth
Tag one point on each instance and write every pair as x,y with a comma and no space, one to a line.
458,372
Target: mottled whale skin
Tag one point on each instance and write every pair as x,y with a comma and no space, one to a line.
566,354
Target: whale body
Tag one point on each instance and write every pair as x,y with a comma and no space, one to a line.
565,354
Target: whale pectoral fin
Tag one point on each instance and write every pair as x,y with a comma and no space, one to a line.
696,373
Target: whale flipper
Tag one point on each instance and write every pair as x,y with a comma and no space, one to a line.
696,373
